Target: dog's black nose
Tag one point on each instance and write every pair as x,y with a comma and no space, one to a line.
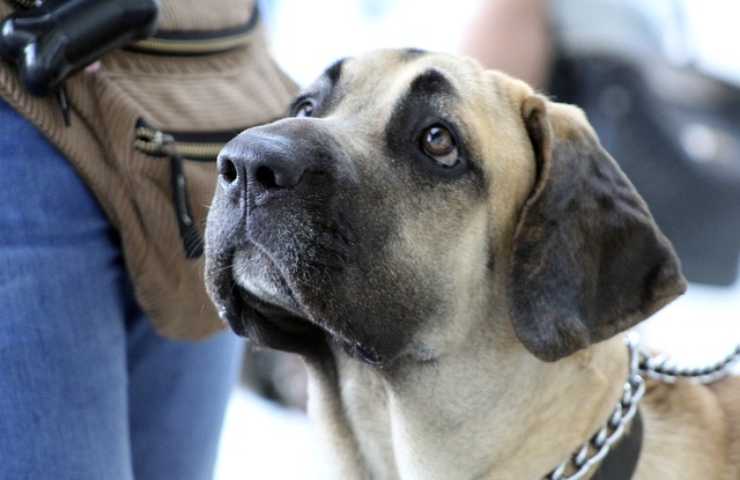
264,166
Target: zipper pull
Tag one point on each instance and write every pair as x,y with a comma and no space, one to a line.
155,142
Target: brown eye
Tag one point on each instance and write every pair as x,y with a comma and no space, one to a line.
305,109
438,143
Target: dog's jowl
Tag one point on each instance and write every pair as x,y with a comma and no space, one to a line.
455,257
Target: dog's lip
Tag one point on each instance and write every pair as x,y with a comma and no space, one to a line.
270,325
286,320
254,318
275,326
230,312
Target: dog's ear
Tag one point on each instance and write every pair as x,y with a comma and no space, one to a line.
588,261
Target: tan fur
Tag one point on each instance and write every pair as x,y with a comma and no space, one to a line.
728,395
688,432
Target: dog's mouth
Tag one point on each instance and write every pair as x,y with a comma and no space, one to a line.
272,325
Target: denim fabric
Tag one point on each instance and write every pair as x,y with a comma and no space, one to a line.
87,389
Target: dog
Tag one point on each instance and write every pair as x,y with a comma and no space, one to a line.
455,257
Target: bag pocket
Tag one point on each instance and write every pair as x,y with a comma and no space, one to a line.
162,121
179,148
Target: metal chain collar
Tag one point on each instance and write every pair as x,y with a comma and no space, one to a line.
658,368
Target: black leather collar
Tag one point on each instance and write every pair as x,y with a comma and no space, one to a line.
621,462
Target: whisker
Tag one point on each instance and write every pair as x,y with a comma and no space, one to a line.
223,269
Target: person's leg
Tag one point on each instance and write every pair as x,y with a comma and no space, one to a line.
74,345
63,396
177,400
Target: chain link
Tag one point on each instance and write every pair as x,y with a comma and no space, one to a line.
661,369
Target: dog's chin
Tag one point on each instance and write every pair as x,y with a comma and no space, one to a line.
256,302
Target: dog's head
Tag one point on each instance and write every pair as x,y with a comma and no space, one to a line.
409,195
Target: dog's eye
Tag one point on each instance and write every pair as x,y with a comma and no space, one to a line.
304,109
438,143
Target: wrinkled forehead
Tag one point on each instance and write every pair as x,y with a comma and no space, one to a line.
380,80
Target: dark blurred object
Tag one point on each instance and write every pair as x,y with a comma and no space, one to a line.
49,42
676,133
276,376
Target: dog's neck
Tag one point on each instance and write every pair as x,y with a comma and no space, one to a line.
469,414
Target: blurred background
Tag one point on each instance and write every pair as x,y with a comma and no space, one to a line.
660,81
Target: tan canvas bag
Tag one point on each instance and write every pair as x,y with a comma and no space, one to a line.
147,124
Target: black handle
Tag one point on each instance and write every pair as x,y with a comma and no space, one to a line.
49,42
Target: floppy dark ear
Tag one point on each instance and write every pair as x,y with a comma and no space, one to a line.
588,260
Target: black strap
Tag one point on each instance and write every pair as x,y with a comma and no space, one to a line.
621,462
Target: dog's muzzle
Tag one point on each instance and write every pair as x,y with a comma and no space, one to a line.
274,198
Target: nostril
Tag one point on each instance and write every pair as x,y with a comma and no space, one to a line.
227,170
266,177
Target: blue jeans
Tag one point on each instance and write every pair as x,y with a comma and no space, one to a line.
87,389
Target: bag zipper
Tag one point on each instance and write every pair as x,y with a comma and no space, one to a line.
180,42
200,146
197,146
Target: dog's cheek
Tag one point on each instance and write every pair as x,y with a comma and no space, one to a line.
446,241
380,299
435,249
